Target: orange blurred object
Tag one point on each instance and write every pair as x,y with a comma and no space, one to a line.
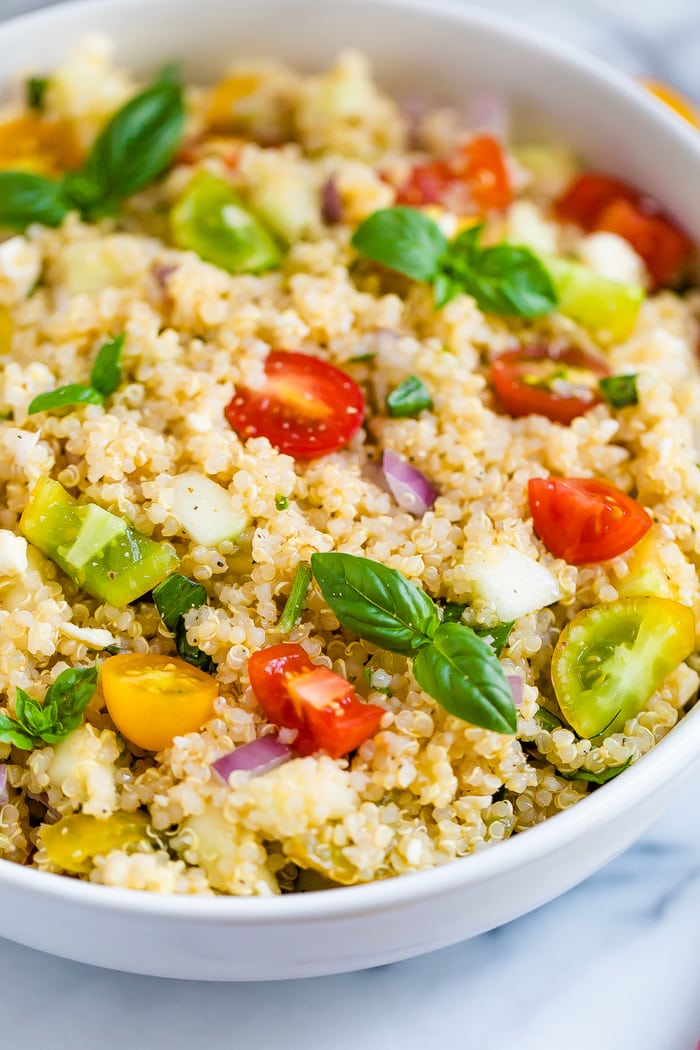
33,143
679,103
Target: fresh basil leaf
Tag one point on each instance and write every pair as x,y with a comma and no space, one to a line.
497,637
403,239
106,372
445,287
11,733
26,198
36,88
63,397
175,596
597,778
294,606
505,279
452,612
461,672
548,721
409,398
62,709
133,149
619,391
375,602
192,654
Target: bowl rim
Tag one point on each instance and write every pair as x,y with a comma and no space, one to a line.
666,761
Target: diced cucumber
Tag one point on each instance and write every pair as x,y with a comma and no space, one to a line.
98,528
100,552
285,198
608,308
211,220
205,510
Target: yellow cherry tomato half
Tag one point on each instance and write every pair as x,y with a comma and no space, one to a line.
33,143
77,839
681,105
152,698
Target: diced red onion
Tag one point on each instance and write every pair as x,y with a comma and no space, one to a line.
488,113
162,271
411,489
516,687
4,797
331,202
260,756
52,815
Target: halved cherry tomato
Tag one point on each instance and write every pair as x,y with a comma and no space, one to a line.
584,519
473,179
601,202
610,660
307,407
295,693
34,143
538,380
676,101
153,698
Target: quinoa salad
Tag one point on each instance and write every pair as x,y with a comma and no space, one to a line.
350,510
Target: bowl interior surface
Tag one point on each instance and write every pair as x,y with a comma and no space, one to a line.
443,51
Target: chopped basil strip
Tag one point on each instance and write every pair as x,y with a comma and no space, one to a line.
106,374
547,721
497,637
297,598
504,279
409,398
360,359
281,502
63,397
60,713
597,778
36,88
619,391
174,597
452,664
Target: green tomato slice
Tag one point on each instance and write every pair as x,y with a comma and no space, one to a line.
74,842
211,220
611,659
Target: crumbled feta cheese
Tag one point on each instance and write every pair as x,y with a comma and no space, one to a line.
526,226
94,637
13,554
612,257
20,267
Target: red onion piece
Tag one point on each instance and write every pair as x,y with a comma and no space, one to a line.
516,687
52,815
260,756
488,113
411,489
4,797
163,271
331,202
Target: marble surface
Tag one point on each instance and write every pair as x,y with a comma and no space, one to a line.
612,965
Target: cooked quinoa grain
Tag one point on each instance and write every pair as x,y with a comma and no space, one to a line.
174,446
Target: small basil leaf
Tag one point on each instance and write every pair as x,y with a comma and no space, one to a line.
403,239
175,596
461,672
548,721
133,149
192,653
375,602
106,372
27,198
597,778
63,397
409,398
36,88
452,612
619,391
71,693
445,288
497,637
11,733
505,279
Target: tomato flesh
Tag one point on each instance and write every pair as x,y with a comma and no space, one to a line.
601,202
307,407
153,698
560,385
611,659
584,519
296,694
473,179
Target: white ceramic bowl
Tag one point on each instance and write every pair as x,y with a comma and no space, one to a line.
432,48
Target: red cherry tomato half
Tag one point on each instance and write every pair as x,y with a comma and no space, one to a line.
558,384
473,179
306,408
585,520
601,202
296,694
